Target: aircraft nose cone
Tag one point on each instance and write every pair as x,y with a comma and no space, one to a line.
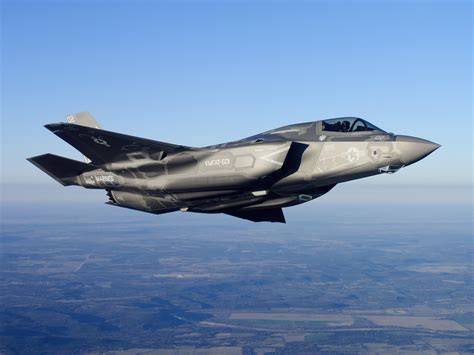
414,149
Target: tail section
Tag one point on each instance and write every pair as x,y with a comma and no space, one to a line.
63,170
84,119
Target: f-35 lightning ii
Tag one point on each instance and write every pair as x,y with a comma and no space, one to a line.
252,178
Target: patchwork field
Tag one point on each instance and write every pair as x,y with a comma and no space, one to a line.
431,323
291,320
134,287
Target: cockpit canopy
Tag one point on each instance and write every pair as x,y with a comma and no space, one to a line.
348,124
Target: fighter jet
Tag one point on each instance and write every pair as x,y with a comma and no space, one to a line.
252,178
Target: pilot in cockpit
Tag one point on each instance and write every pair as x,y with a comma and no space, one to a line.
348,124
345,126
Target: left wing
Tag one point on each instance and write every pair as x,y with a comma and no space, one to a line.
103,147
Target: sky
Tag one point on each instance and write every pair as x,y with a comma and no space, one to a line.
205,72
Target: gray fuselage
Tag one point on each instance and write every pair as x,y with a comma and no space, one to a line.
278,168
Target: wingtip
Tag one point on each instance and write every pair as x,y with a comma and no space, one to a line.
53,126
32,159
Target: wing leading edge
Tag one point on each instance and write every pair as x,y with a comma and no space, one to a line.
103,147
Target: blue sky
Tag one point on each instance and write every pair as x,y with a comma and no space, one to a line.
204,72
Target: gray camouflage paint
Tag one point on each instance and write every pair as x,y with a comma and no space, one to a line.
252,178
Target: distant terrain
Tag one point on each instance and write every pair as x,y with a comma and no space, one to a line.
95,279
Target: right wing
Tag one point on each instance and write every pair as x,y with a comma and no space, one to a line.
260,215
103,147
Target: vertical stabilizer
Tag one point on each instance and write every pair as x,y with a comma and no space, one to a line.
84,119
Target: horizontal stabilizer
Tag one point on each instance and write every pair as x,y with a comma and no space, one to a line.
103,147
261,215
63,170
